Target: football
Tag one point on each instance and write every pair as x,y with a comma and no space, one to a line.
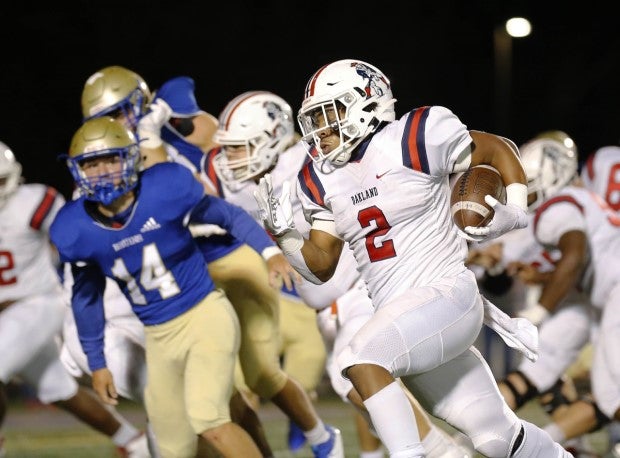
467,203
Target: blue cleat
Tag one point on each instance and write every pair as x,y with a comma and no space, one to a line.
331,448
296,437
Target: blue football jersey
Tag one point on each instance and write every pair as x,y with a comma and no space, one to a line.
152,256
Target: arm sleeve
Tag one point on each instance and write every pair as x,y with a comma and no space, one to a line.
236,221
87,307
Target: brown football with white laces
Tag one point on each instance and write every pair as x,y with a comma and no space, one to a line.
467,203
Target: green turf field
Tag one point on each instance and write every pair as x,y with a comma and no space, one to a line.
43,432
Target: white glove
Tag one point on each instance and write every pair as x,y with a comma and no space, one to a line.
517,333
276,213
536,314
506,218
149,126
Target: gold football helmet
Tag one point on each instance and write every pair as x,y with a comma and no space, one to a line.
117,92
99,137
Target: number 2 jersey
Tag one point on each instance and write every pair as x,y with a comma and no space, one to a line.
26,260
391,202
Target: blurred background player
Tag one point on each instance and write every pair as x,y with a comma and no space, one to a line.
519,262
601,174
113,90
579,228
125,228
124,95
32,308
288,327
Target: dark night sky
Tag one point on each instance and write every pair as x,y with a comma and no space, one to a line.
439,52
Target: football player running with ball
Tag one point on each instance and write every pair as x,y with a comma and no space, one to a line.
381,185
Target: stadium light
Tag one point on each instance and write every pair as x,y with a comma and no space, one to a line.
516,27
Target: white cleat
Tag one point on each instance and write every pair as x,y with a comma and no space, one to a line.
136,448
331,448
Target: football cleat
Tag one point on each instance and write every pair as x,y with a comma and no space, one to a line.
332,447
138,447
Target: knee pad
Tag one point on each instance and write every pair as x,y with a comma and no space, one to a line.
495,443
521,398
600,417
490,426
556,397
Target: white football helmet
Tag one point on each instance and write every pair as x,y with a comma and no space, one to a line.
550,163
260,121
361,90
10,173
104,136
114,91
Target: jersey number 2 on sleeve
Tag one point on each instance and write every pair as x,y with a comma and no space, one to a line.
153,275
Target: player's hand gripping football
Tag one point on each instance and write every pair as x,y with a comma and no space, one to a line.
275,212
506,218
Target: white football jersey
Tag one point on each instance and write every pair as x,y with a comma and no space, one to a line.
26,257
601,174
576,208
288,166
391,203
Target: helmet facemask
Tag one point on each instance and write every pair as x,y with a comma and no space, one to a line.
107,187
129,110
105,139
260,155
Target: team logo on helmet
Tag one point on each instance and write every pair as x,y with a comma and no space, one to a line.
374,79
274,111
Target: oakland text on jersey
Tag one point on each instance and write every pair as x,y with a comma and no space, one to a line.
364,195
